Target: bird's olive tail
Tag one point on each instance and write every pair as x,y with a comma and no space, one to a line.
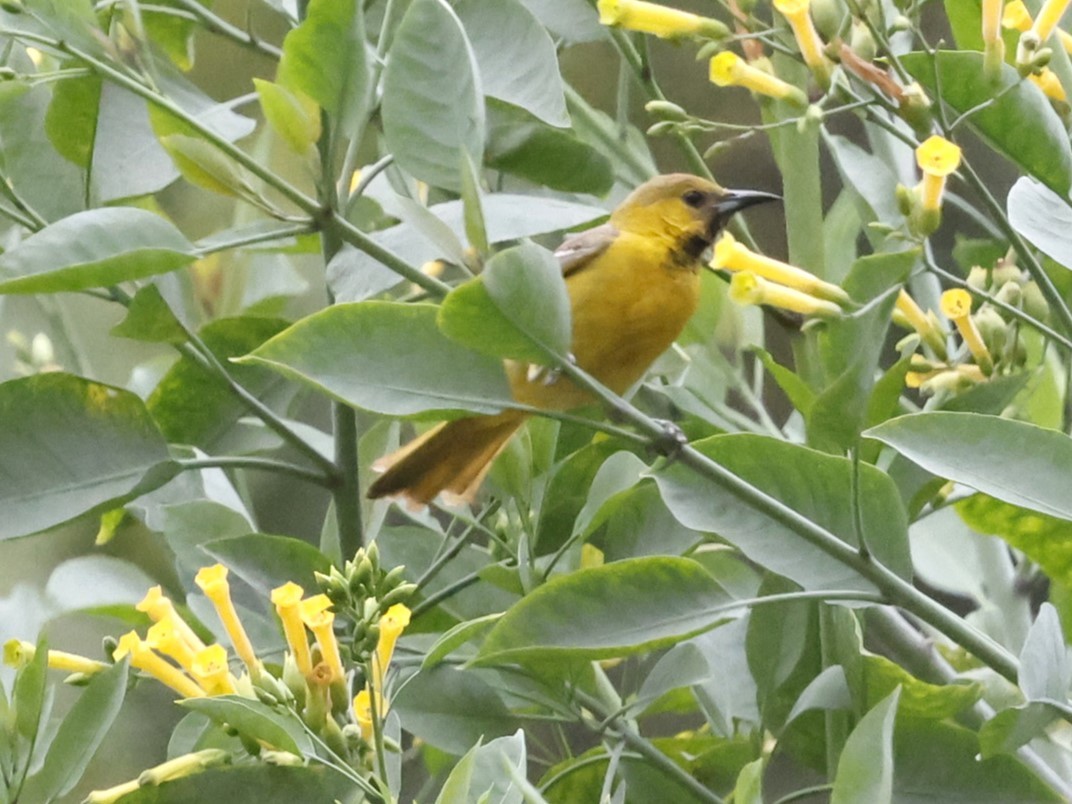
453,457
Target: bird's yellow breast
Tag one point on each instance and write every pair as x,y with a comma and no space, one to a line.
628,305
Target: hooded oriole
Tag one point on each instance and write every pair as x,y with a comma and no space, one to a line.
633,284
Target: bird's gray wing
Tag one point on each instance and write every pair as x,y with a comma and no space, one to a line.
579,250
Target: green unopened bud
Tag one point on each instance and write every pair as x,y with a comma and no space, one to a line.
828,15
900,23
283,759
906,200
661,129
862,41
810,120
915,109
979,277
400,594
11,6
665,110
1010,293
1035,304
1006,270
393,578
992,327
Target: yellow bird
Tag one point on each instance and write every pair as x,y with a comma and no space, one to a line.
633,284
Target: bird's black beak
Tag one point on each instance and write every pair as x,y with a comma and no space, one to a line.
736,200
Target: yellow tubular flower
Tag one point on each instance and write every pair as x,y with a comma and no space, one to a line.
157,606
112,794
392,623
937,157
210,670
183,766
732,255
363,714
164,637
287,602
748,288
652,18
317,618
1050,84
18,653
143,658
797,14
956,306
730,70
914,318
993,44
213,582
1048,17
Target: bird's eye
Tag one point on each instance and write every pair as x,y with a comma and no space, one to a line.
694,198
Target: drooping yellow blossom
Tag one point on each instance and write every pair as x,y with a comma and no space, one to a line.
18,653
937,157
798,14
1049,15
210,670
163,637
144,658
287,601
911,316
392,624
363,713
182,766
956,306
652,18
319,620
748,288
730,70
157,606
1047,80
112,794
732,255
213,582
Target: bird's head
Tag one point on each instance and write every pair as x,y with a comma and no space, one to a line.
687,210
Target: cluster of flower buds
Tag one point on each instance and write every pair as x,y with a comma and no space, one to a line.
758,279
991,342
316,674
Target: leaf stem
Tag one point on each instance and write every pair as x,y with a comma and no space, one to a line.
265,464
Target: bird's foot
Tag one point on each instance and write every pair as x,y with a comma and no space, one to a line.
670,441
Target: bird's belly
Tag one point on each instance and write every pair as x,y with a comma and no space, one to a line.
624,317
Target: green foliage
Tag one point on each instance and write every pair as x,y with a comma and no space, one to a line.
214,323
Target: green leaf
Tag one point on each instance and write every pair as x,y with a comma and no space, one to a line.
95,248
456,637
524,146
432,107
93,583
172,33
452,708
1020,122
204,165
792,384
918,698
618,609
1011,728
326,59
355,276
938,761
265,562
192,405
865,770
80,735
525,73
850,348
1014,461
1043,217
1046,540
516,308
749,787
149,318
290,113
809,482
385,357
68,446
570,21
1044,667
256,721
71,122
458,786
28,698
261,782
496,765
